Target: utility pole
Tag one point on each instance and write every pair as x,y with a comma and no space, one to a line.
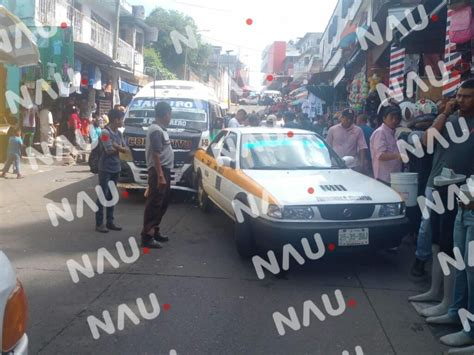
185,63
228,75
117,30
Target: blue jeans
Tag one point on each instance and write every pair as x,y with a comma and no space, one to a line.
12,159
424,242
463,280
104,178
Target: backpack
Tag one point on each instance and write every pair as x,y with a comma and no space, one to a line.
462,25
96,154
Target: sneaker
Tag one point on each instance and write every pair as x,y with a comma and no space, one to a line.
418,268
19,176
161,238
101,229
113,227
152,244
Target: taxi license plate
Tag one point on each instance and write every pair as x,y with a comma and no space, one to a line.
350,237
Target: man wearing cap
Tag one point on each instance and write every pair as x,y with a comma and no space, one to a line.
348,140
386,158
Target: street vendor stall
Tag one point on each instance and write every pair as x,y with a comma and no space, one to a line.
19,51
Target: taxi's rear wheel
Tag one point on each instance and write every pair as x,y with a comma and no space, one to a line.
244,238
203,200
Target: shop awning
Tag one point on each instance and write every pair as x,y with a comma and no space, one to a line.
128,88
27,54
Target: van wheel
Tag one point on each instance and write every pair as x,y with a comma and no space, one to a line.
244,239
203,200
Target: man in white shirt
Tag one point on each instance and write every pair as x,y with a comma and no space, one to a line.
238,120
46,125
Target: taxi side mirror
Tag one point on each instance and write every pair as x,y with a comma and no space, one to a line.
226,162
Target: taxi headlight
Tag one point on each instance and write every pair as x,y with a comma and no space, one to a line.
15,318
298,213
274,211
392,209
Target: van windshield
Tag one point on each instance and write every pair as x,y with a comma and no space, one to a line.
186,114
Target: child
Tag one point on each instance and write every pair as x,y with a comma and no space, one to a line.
94,129
14,152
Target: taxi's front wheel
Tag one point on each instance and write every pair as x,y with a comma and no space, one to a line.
244,238
203,200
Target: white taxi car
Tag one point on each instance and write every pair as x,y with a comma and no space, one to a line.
281,185
13,311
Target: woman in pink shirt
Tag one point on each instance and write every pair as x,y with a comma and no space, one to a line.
386,158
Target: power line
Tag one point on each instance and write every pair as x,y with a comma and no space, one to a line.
202,7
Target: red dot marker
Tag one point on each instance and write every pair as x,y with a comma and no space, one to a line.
270,77
331,247
84,81
290,134
249,21
311,191
104,138
166,307
351,303
146,250
125,194
435,18
64,25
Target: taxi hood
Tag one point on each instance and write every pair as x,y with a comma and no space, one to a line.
294,187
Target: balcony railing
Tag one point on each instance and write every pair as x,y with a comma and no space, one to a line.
85,30
101,38
46,11
125,53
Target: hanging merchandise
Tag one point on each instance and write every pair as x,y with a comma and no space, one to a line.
98,79
462,25
452,80
312,106
358,91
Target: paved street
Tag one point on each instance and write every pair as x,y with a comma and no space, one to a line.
217,304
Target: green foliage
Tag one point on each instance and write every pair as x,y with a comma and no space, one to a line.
153,60
170,20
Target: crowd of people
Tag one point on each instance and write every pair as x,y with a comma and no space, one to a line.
70,122
448,127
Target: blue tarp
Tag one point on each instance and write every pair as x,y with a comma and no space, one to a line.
127,87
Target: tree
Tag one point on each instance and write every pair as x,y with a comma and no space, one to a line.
153,60
170,20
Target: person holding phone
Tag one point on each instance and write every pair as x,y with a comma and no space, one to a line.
160,161
457,156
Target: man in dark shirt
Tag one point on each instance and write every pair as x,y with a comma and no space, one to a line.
109,168
160,161
458,156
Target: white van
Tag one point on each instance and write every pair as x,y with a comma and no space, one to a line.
196,117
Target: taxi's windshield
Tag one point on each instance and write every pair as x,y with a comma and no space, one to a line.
186,114
280,152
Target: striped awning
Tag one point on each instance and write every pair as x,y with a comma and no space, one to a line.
451,78
397,72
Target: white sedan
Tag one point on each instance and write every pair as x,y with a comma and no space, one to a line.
282,185
13,311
